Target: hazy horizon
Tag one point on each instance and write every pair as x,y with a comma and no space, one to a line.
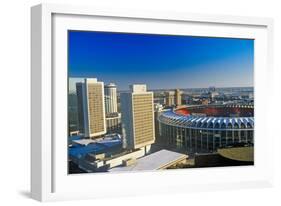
73,80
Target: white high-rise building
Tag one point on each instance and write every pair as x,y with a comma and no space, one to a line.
137,118
110,95
91,111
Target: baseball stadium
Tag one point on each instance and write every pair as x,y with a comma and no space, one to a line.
206,128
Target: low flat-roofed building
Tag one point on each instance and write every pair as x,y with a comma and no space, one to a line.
82,147
155,161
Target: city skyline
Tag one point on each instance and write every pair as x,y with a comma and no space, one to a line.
73,81
160,61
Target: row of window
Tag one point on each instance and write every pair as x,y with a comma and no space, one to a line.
199,140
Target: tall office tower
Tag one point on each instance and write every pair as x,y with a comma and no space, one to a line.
91,112
110,95
137,118
177,97
170,98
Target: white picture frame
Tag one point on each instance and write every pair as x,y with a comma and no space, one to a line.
49,178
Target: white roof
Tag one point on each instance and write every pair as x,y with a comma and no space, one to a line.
106,139
154,161
84,141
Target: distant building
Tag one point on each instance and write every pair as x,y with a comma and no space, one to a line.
173,98
170,98
213,95
110,97
177,97
137,118
212,89
90,103
186,98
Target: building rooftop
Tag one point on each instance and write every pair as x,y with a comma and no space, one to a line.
74,137
84,142
155,161
190,121
138,88
110,85
91,80
83,147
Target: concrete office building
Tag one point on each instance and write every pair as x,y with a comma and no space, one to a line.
137,118
110,97
91,111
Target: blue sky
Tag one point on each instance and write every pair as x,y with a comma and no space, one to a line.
160,61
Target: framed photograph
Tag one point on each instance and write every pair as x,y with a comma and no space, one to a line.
136,102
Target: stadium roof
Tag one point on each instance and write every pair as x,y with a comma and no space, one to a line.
155,161
193,121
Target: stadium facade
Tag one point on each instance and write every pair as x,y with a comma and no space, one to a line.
204,129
